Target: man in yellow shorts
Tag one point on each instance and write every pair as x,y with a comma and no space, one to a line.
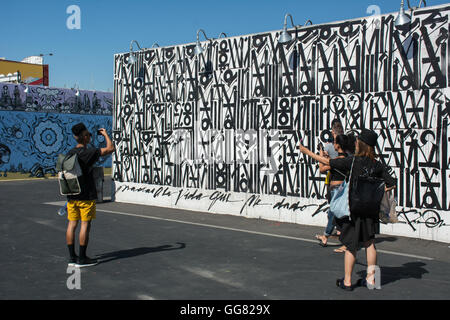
82,206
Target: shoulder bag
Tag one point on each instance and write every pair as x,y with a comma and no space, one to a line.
388,213
339,204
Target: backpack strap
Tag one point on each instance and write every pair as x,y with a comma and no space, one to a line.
77,151
351,169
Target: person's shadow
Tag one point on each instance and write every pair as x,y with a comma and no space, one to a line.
382,239
409,270
130,253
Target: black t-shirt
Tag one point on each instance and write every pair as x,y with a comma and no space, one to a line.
363,166
336,174
87,157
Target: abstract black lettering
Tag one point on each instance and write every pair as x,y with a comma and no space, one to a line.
229,120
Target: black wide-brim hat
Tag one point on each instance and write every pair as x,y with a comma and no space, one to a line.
369,137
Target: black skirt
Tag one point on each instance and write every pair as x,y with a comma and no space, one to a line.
356,231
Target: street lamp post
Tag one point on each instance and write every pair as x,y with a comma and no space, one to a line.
45,54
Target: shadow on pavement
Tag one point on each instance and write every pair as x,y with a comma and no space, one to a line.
105,201
380,239
130,253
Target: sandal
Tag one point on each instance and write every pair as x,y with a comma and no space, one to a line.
340,249
321,243
340,284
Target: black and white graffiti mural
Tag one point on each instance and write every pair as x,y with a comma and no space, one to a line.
226,123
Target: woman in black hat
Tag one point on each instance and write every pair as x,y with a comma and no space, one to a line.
357,230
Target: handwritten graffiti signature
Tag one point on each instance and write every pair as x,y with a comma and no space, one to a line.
430,218
216,196
219,196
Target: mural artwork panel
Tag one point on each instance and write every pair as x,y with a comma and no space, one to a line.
218,132
35,126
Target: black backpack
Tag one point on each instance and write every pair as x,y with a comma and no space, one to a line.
366,195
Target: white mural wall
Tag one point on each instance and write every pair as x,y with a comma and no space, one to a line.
218,132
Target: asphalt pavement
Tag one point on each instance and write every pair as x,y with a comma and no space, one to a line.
152,253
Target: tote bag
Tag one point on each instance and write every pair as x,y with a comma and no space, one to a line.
388,213
339,204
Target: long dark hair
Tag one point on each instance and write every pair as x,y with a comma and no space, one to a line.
343,141
351,143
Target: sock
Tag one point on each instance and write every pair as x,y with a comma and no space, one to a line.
72,250
83,251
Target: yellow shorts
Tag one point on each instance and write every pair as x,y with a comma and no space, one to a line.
81,209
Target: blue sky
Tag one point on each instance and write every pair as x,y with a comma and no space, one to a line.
85,57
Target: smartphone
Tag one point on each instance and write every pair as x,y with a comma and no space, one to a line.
320,146
99,132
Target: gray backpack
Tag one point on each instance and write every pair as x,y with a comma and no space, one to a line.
69,171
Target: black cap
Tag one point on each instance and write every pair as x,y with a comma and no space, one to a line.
78,129
369,137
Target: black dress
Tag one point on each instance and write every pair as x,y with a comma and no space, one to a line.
356,230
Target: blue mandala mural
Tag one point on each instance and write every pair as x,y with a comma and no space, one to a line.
48,137
35,128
